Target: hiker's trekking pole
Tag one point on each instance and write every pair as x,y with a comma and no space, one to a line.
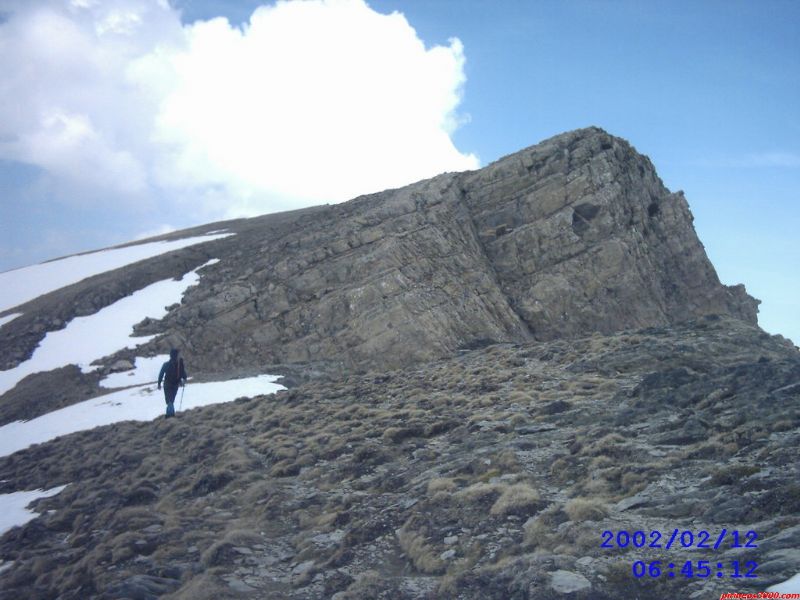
183,389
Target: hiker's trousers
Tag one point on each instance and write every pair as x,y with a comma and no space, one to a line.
169,396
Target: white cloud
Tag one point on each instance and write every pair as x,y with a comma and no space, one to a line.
69,147
309,102
65,105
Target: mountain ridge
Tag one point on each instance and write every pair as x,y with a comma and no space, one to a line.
573,235
486,370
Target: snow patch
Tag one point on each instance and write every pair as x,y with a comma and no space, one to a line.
21,285
790,586
145,370
86,339
13,507
9,318
141,403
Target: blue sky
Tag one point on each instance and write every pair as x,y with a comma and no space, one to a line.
708,90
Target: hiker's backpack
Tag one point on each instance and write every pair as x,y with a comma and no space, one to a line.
172,376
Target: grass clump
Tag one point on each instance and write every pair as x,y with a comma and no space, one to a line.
202,587
285,468
612,445
565,468
395,435
584,509
712,450
507,462
518,499
419,551
441,485
479,493
520,397
731,475
369,584
632,482
222,552
540,531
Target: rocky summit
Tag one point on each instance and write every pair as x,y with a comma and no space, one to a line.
522,382
573,236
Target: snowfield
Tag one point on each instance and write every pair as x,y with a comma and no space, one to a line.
86,339
790,586
145,370
139,403
9,318
13,511
24,284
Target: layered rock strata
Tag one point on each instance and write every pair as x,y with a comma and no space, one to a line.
574,235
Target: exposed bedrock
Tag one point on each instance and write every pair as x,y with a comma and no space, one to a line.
574,235
571,236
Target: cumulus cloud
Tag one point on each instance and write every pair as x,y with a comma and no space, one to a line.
308,102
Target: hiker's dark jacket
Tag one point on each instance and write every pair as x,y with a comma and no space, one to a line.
172,372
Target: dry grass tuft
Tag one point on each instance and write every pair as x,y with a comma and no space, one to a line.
419,551
519,499
479,493
202,587
540,531
613,445
443,485
222,552
369,584
396,435
507,462
632,482
565,469
584,509
601,462
520,397
782,425
731,475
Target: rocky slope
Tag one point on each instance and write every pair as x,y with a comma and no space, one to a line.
489,475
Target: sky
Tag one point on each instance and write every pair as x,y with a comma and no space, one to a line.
127,118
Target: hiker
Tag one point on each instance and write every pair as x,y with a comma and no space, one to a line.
173,374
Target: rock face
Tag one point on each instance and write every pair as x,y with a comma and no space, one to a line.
584,237
572,236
